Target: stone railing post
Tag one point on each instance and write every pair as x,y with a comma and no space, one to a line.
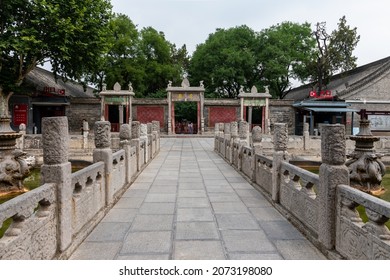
243,132
144,139
333,172
156,131
233,138
103,152
57,169
125,144
85,134
306,136
227,137
256,148
279,155
216,135
150,140
135,141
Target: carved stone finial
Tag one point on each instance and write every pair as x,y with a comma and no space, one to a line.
241,89
256,134
243,130
125,132
234,129
201,84
185,83
169,84
266,89
102,130
117,87
131,87
333,144
254,89
226,128
55,140
280,137
156,126
135,130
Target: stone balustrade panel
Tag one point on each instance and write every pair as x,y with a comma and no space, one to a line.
263,170
88,195
297,194
247,161
118,181
358,240
33,232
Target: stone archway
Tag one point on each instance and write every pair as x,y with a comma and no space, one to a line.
183,94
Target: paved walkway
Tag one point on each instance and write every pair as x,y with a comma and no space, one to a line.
190,204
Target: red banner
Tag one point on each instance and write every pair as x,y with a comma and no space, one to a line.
20,114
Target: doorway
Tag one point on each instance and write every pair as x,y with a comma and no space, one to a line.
186,117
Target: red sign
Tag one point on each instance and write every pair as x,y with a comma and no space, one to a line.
20,114
53,90
323,94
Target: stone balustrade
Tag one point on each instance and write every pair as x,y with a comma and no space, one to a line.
51,221
322,206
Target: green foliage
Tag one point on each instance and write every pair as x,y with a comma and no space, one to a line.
226,61
284,51
71,34
334,52
144,58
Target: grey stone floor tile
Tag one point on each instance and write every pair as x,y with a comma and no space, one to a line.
96,251
229,207
247,241
131,192
144,257
163,189
147,242
192,202
107,232
236,221
192,193
255,201
141,185
152,223
160,197
266,214
129,202
281,230
191,186
198,250
241,186
224,197
194,215
298,250
255,256
211,182
196,230
120,215
157,208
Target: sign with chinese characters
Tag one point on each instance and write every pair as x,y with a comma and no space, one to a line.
379,122
116,100
254,102
20,113
186,96
53,90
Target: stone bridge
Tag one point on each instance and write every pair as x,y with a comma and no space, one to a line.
194,198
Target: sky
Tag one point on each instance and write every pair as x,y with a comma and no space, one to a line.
190,22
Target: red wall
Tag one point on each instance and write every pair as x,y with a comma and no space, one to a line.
221,115
147,114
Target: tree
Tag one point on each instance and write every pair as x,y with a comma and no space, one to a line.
284,51
334,52
70,34
226,61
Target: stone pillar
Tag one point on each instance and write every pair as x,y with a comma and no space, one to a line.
169,124
150,140
103,152
85,134
57,169
216,135
233,138
226,140
202,112
20,140
125,144
333,172
156,130
135,141
250,113
243,132
306,136
256,148
279,155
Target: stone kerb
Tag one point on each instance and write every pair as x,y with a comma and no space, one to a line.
333,172
280,139
57,169
103,152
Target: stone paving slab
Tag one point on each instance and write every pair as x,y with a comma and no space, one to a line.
189,204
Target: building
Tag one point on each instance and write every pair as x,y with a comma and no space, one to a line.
366,87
